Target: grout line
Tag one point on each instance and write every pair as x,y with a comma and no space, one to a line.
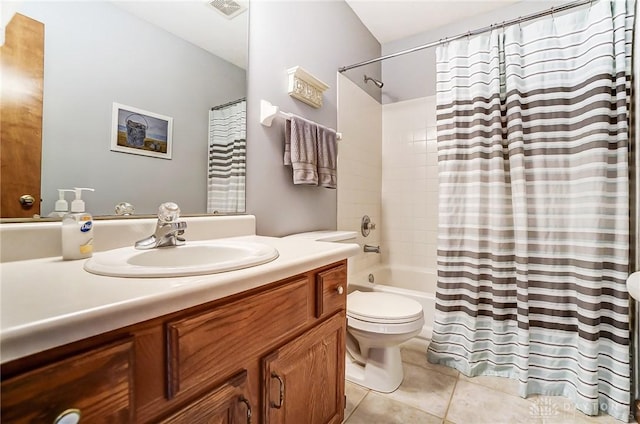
412,406
356,405
455,385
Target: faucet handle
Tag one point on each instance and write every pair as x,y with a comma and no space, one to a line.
168,212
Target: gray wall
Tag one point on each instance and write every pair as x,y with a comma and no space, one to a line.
414,75
97,54
320,36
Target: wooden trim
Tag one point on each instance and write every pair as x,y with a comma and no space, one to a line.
22,63
173,361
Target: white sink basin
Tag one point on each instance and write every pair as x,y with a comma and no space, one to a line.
194,258
633,285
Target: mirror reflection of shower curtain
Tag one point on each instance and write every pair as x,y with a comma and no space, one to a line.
533,240
227,158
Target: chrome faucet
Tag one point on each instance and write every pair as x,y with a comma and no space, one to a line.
371,249
168,229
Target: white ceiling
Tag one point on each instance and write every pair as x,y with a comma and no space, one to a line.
199,23
390,20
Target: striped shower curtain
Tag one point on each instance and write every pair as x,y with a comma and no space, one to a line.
227,158
533,239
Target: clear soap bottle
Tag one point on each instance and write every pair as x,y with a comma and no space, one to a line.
77,230
62,206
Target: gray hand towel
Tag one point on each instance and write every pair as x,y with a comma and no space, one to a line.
301,151
327,157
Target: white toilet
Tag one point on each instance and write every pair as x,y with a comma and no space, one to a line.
377,323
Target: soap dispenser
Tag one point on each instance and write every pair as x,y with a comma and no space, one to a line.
62,206
77,230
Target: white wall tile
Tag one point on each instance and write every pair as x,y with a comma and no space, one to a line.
388,170
409,183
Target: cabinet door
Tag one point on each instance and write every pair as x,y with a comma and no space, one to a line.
96,385
304,379
226,404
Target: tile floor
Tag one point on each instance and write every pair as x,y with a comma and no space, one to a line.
437,394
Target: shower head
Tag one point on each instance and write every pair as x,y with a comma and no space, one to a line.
378,83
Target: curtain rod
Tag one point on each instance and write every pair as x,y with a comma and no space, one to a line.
474,32
229,104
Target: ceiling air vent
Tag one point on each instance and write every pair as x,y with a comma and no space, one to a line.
229,8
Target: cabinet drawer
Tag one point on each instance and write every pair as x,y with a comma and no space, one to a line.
331,286
98,383
209,346
226,404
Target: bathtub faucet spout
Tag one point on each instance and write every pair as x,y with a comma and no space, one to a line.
371,249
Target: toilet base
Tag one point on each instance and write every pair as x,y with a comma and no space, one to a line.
382,371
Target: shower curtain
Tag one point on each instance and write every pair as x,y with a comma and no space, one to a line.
533,238
227,158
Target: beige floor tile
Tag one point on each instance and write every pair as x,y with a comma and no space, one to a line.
427,390
580,418
414,352
354,394
378,409
560,410
503,384
474,403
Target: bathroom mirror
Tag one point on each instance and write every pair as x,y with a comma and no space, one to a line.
173,59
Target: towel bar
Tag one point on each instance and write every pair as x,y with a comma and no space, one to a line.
269,112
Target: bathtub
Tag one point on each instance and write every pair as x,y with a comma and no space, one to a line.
418,284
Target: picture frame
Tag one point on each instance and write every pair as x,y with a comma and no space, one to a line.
141,132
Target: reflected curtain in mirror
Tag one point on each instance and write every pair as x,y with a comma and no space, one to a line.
227,157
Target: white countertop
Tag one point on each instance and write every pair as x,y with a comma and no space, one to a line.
48,302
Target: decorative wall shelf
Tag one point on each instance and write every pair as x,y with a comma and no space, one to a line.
305,87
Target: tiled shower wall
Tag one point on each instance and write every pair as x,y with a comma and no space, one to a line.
359,167
409,183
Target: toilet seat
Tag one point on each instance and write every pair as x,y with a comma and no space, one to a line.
382,308
354,324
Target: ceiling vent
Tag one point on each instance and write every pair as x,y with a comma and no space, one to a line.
228,8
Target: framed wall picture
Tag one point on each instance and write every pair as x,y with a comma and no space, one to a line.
140,132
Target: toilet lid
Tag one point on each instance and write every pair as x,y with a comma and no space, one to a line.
382,307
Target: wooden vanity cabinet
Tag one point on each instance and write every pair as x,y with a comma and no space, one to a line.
213,343
227,361
226,404
97,385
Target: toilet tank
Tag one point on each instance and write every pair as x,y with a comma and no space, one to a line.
327,235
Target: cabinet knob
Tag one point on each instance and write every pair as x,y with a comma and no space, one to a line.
279,404
246,402
69,416
340,290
